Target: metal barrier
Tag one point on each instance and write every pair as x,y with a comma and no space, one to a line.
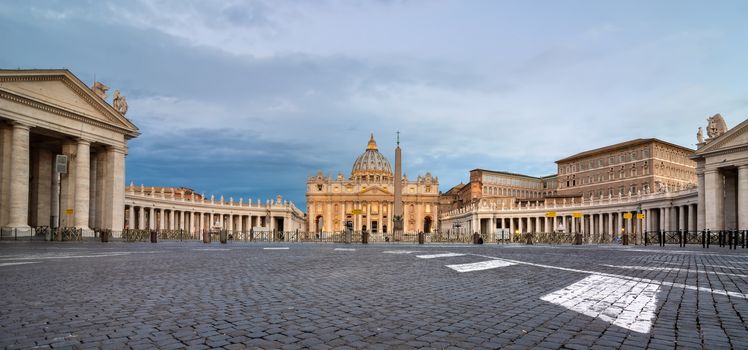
725,238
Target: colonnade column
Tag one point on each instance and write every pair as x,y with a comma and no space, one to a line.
691,222
161,219
714,200
131,218
82,185
141,218
743,197
19,178
701,207
681,218
171,220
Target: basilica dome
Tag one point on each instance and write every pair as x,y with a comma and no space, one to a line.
371,164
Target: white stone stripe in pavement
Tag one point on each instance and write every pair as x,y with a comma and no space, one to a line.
212,249
47,257
18,263
399,251
345,249
637,279
655,268
275,248
434,256
622,302
478,266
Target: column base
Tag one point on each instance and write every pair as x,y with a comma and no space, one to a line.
16,231
86,232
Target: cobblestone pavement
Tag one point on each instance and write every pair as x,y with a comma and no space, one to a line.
189,295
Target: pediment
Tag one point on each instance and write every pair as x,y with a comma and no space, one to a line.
376,190
61,92
735,137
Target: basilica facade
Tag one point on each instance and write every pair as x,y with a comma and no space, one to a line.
366,199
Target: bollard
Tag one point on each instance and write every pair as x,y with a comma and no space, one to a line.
206,237
625,239
223,236
154,237
104,236
420,237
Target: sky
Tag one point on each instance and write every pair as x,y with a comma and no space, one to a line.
249,98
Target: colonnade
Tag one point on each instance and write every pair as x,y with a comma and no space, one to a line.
88,195
154,218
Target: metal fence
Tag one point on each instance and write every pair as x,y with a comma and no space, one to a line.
41,233
732,239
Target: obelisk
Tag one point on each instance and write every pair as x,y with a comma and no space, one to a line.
398,206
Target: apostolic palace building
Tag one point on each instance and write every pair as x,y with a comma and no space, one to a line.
63,146
626,188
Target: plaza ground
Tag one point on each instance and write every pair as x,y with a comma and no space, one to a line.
321,296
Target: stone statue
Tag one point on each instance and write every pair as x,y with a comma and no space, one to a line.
100,89
700,136
716,126
119,103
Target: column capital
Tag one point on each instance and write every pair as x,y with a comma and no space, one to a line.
82,141
743,167
19,125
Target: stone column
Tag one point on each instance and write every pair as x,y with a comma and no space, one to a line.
92,188
6,149
114,192
681,218
701,207
193,224
161,219
743,197
141,218
714,200
611,233
82,186
100,192
563,222
171,219
151,218
19,180
131,218
181,220
573,224
691,212
239,226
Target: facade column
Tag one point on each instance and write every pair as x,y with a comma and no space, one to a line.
511,227
600,225
743,197
691,222
181,220
611,233
681,218
171,219
131,218
714,200
161,219
141,218
19,179
113,193
151,218
191,228
701,206
521,225
82,186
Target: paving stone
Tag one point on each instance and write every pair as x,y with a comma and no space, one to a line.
170,295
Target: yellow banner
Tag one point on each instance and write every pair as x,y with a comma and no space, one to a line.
550,214
577,215
357,211
627,216
640,216
69,211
